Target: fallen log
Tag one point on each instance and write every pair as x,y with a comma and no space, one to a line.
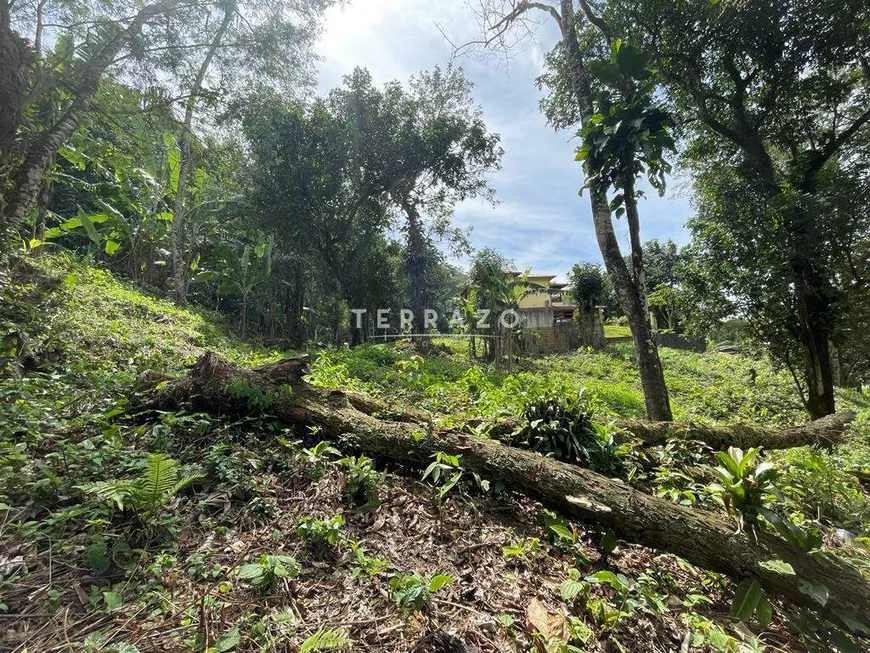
825,431
703,538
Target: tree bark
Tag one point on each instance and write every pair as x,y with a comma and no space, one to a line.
13,70
415,262
630,292
652,376
27,177
829,430
703,538
176,236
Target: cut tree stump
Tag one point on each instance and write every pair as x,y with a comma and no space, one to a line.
703,538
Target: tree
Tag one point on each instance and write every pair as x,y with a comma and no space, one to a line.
663,264
773,96
168,47
586,285
495,288
248,42
445,155
603,83
71,79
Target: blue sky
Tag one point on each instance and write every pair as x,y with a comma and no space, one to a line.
540,222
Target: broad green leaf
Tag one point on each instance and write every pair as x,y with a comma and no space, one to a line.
91,230
608,542
816,591
778,567
438,581
228,641
112,600
250,571
764,612
570,588
746,599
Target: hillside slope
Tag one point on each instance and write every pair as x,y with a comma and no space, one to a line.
280,538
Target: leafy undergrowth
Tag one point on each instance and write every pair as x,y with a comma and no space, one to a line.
184,531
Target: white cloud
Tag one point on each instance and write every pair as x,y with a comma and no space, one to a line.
541,222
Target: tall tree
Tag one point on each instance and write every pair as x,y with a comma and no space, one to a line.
104,32
237,45
445,155
588,60
774,97
179,267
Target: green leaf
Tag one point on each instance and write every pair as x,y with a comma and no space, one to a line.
112,246
325,640
127,648
570,588
746,599
228,641
91,230
173,155
778,567
854,624
764,612
112,600
608,542
438,581
250,571
98,555
561,531
449,485
816,591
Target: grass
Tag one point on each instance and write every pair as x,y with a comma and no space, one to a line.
616,331
169,576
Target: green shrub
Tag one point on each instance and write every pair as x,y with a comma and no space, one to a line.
744,484
562,427
268,570
320,534
414,592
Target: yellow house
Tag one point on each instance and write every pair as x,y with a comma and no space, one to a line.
549,295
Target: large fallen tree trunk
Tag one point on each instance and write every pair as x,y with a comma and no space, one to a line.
703,538
825,431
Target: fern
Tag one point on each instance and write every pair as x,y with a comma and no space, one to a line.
160,481
116,492
325,640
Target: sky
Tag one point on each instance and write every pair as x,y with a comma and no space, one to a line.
540,221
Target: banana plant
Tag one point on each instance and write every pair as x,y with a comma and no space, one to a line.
241,272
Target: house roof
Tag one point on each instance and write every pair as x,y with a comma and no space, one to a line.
545,277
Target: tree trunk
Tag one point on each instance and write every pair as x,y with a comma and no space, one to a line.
826,431
703,538
652,377
176,236
814,324
415,263
27,177
632,299
13,70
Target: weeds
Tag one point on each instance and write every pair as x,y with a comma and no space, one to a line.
268,570
321,535
414,592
